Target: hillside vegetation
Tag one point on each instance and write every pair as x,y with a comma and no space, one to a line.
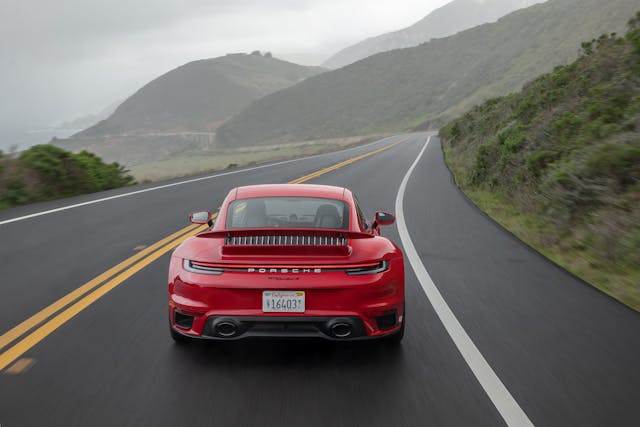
199,95
447,20
559,163
427,85
182,108
45,172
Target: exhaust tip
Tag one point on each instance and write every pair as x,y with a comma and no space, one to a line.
341,330
226,329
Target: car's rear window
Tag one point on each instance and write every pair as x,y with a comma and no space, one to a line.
288,212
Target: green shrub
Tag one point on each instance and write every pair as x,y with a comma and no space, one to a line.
561,75
567,126
45,172
46,159
617,161
633,36
630,246
587,48
482,163
608,110
50,165
538,161
16,192
526,108
512,138
95,175
454,131
562,176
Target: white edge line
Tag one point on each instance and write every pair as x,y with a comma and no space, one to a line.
504,402
189,181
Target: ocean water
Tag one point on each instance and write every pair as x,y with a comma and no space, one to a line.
25,138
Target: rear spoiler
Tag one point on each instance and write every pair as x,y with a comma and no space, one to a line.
289,232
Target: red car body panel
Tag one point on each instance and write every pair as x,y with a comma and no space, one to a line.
319,262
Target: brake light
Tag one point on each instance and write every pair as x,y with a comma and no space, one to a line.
372,269
196,267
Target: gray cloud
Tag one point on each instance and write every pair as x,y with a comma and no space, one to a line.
65,58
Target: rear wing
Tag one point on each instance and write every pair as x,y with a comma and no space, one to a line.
285,242
284,236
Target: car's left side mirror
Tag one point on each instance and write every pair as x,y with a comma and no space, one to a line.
200,217
384,218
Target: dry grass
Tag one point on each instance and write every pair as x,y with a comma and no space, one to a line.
567,251
192,163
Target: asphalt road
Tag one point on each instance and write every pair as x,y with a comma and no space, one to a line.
566,353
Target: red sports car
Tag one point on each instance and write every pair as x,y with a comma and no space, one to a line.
288,260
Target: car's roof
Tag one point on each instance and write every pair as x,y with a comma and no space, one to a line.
290,190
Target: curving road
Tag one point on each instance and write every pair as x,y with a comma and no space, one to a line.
504,338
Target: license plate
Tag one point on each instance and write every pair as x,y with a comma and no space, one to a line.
283,301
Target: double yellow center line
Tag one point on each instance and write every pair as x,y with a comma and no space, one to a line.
79,299
343,164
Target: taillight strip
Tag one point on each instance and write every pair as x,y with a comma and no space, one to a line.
323,266
350,269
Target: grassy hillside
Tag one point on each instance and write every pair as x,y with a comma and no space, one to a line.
45,172
199,95
182,108
431,83
559,163
451,18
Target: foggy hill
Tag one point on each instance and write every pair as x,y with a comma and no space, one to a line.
199,95
449,19
426,85
181,109
89,120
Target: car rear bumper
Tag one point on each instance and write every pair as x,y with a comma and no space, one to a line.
228,328
370,306
239,327
334,327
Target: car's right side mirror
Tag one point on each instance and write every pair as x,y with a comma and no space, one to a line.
384,218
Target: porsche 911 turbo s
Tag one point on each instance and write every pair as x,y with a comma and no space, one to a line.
288,260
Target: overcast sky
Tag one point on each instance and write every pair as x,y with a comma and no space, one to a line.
60,59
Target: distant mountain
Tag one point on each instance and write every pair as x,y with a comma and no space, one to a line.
450,19
304,58
200,94
89,120
184,106
424,86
